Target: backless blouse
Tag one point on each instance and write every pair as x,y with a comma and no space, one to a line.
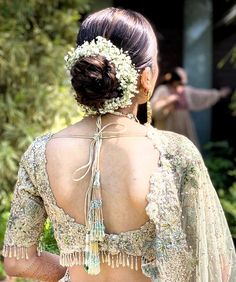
185,239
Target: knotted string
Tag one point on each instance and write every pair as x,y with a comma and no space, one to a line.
93,162
95,146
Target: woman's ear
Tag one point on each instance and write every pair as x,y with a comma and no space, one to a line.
145,85
146,80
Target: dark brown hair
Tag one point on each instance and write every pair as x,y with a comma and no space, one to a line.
94,78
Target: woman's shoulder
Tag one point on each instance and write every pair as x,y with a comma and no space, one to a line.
40,141
177,146
35,147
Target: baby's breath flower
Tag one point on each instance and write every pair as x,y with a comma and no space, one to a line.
126,73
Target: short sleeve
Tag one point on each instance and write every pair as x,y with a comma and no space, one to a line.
205,224
27,214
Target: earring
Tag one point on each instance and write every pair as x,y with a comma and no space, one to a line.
149,109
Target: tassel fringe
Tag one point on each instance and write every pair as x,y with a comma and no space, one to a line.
85,258
15,252
91,256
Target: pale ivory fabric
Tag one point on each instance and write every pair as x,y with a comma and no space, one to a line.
179,119
186,239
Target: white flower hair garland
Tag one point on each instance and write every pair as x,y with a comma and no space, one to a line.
126,73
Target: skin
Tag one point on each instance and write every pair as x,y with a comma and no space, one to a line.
124,194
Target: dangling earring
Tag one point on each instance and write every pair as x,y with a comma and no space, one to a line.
149,109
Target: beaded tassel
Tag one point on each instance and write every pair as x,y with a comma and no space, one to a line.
120,258
136,263
123,260
15,252
92,259
95,213
117,260
95,228
132,262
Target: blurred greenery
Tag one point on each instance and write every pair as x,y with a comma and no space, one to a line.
221,163
233,103
230,58
48,241
34,88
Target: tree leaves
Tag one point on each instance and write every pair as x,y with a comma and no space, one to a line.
34,89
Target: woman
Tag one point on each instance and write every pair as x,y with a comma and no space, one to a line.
127,202
180,100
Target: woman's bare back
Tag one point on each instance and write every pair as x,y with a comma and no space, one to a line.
126,164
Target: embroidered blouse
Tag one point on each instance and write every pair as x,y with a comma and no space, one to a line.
186,238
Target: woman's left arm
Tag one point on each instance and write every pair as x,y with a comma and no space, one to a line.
24,228
204,222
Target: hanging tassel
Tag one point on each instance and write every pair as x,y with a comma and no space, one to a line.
93,205
136,263
103,257
127,260
123,260
120,258
96,228
15,252
109,259
86,251
117,260
112,261
132,262
95,216
79,258
92,258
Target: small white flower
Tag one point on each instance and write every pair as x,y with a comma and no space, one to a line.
126,73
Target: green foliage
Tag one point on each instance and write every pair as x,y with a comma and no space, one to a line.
233,103
48,241
221,163
2,273
229,57
3,219
223,169
34,87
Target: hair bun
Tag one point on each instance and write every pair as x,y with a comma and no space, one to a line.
94,81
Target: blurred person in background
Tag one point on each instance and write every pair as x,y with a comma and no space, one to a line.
173,100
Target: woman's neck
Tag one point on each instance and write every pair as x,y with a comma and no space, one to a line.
133,110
